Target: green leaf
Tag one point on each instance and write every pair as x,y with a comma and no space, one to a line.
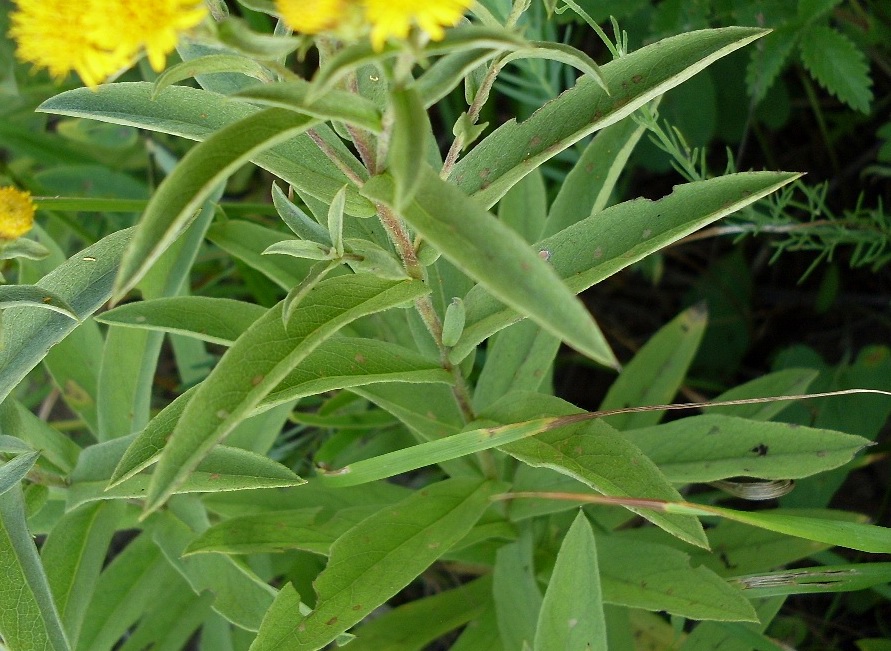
809,580
559,52
498,258
769,58
57,448
839,66
334,105
419,623
447,72
461,38
239,595
269,533
594,453
411,129
525,206
297,220
657,370
299,161
337,363
377,558
217,320
14,471
792,381
658,577
854,535
603,244
135,580
73,554
259,361
591,181
517,359
707,448
514,150
28,617
572,611
34,296
224,469
176,201
247,242
515,592
238,35
211,64
84,282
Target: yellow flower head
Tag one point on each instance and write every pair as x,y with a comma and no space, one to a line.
16,213
396,17
97,38
312,16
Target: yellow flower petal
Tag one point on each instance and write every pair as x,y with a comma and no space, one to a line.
395,18
16,213
312,16
98,38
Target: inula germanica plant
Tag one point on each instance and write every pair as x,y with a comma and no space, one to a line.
360,405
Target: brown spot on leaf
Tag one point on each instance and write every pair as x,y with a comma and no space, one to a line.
636,79
331,622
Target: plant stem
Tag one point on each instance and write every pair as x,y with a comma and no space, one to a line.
335,157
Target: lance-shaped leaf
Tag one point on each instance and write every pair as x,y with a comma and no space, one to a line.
333,105
658,577
260,360
377,558
657,370
411,130
210,64
28,615
34,296
338,363
571,614
498,258
822,579
299,161
14,470
603,244
514,150
84,282
180,196
73,555
711,447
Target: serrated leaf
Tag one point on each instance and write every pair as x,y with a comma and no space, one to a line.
377,558
498,258
770,56
515,149
28,616
601,245
572,611
84,282
838,65
176,201
707,448
259,361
